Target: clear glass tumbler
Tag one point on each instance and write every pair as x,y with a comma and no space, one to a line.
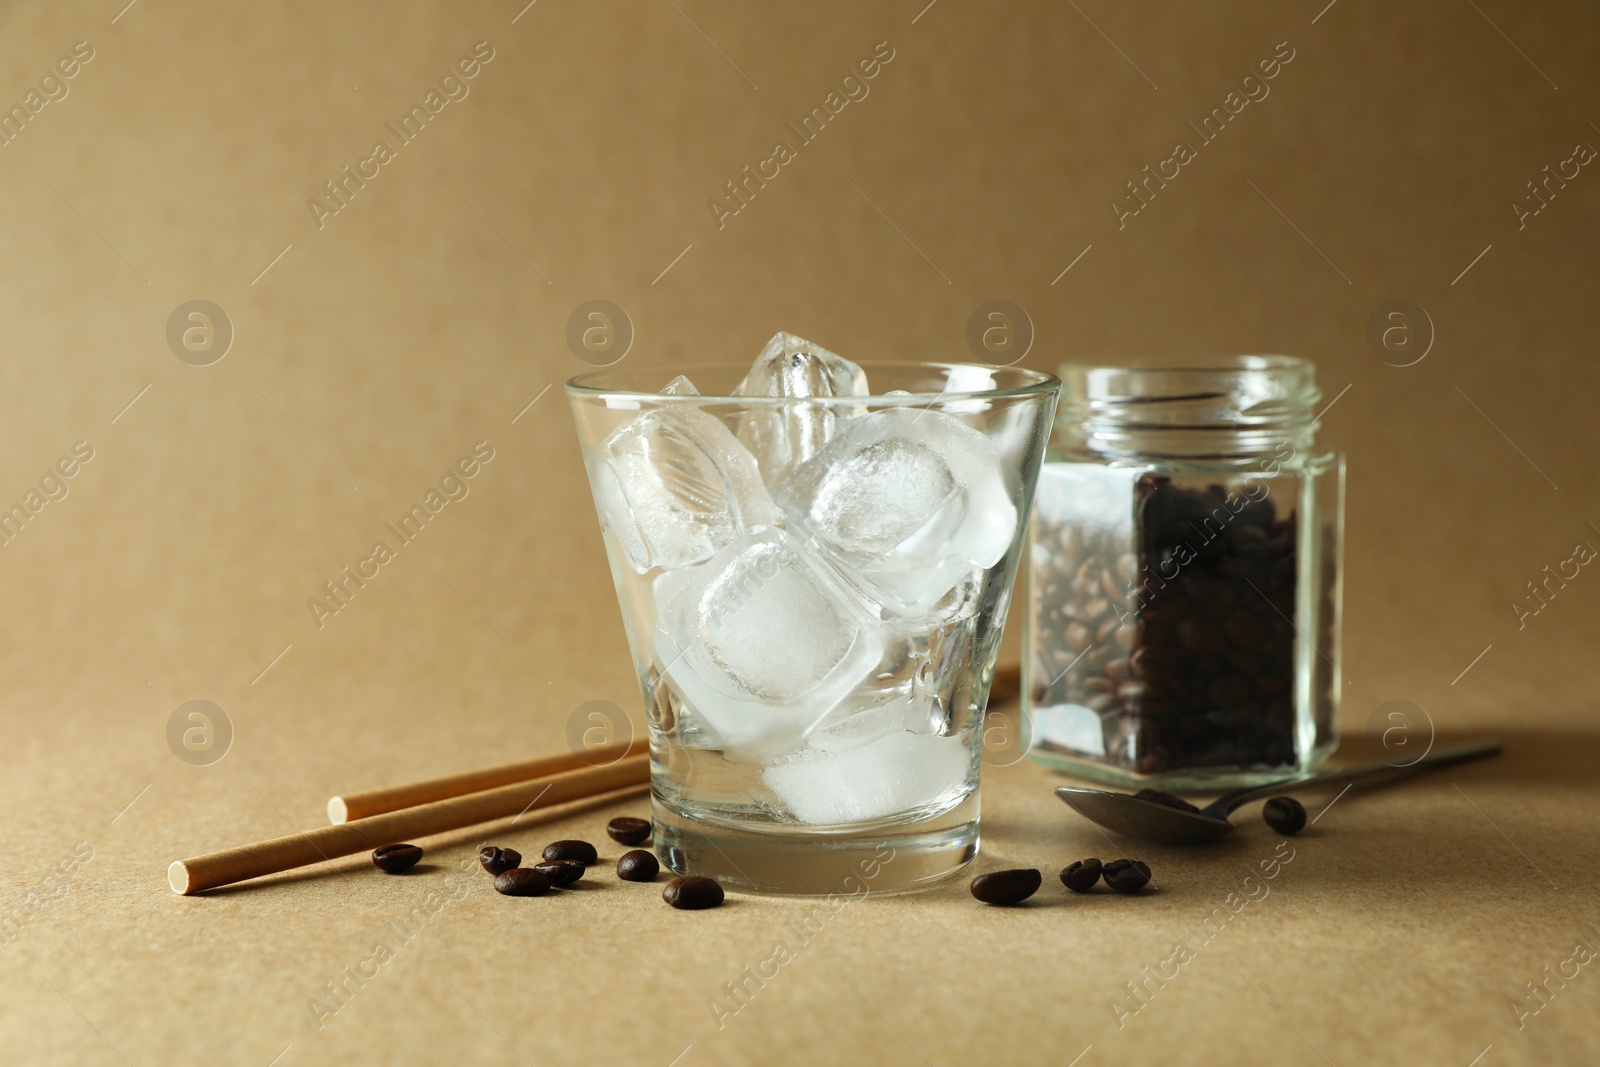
1185,577
813,591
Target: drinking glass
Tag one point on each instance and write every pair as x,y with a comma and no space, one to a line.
813,591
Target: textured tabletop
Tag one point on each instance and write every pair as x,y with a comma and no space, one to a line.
182,493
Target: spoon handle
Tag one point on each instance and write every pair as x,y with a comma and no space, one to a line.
1363,772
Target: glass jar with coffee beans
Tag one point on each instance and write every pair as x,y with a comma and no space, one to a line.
1183,629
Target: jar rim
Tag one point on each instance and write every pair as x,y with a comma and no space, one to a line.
1234,403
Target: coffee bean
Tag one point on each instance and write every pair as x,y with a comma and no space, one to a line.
1150,763
1229,690
1202,636
1077,636
692,893
522,882
392,859
1006,887
561,872
638,866
499,860
572,850
627,830
1126,876
1081,875
1165,798
1245,629
1285,815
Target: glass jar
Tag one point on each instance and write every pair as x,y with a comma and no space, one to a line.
1183,630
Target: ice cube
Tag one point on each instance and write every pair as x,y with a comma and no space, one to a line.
789,366
792,366
762,641
864,717
1072,726
680,386
677,486
908,501
898,772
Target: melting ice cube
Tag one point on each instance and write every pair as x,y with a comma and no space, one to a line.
864,717
908,501
762,641
898,772
789,366
676,485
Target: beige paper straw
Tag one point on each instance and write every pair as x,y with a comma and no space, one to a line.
360,835
346,807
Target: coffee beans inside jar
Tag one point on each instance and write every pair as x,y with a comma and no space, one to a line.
1162,634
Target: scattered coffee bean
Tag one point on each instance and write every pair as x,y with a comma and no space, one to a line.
628,830
1006,887
1285,815
581,851
392,859
1126,876
1165,798
692,893
638,866
499,860
1081,875
561,872
522,882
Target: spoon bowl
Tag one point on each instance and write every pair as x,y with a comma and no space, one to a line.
1150,820
1147,820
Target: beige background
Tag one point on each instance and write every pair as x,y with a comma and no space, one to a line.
431,311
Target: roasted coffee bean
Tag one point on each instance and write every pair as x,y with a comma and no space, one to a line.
392,859
1230,691
638,866
1285,815
1126,876
522,882
1165,798
572,850
1245,629
692,893
499,860
1202,636
1006,887
1150,763
1081,875
561,872
1077,636
627,830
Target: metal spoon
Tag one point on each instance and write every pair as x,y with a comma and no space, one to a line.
1150,820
